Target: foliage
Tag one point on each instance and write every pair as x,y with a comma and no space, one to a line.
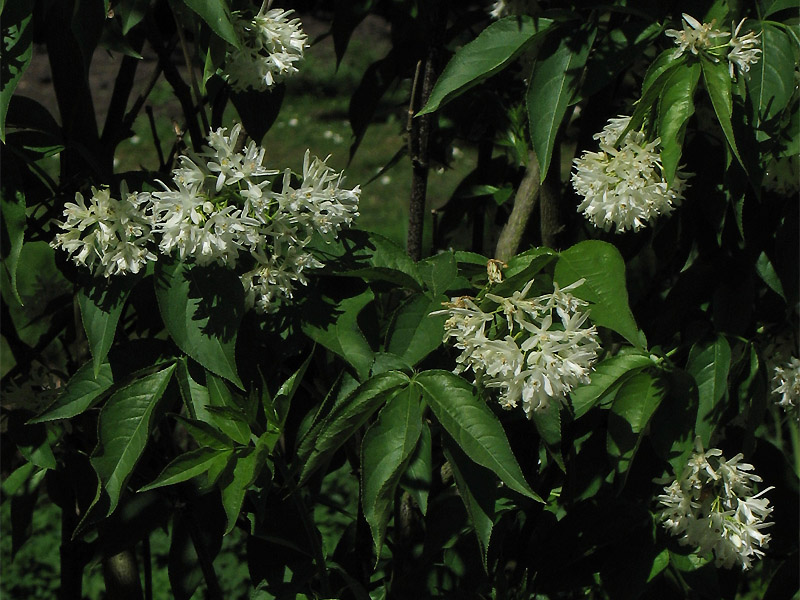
256,368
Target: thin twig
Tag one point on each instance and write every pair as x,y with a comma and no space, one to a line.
524,203
193,78
156,140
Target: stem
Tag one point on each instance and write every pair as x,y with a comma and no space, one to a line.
162,167
114,128
182,91
71,563
435,16
192,77
121,575
524,203
549,204
214,591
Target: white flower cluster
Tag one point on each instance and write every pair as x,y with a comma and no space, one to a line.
623,186
786,384
272,44
504,8
697,38
219,207
533,350
108,236
712,506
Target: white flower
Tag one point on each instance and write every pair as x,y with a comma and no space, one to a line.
109,236
623,186
744,50
272,45
550,353
504,8
695,37
786,382
711,505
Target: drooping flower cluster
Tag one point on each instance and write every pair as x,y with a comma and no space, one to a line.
786,384
703,38
623,186
711,505
108,236
533,350
219,208
272,45
504,8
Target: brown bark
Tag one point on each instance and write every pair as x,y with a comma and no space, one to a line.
524,203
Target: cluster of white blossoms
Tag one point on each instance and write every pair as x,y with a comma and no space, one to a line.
504,8
623,185
272,45
109,236
533,350
786,384
711,505
219,208
697,38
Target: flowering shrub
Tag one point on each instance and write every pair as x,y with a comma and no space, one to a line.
517,405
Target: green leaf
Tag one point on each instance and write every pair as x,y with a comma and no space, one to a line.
675,108
709,364
477,489
344,419
414,333
473,426
768,274
131,13
235,482
344,336
17,28
283,399
770,7
202,308
718,84
232,422
418,477
555,81
493,50
82,391
187,466
123,430
204,434
439,272
385,261
218,17
12,209
663,62
770,81
607,375
385,452
637,400
603,268
101,308
548,424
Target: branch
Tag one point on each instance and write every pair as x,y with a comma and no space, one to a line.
524,203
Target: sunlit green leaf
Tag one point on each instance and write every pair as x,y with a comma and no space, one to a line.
385,451
718,83
493,50
675,108
709,364
418,476
473,426
603,268
17,52
414,333
82,391
123,430
218,16
477,489
344,336
201,319
606,375
555,81
345,418
186,466
101,307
